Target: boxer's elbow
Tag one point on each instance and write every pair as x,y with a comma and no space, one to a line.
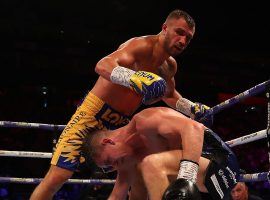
100,67
192,129
197,129
104,67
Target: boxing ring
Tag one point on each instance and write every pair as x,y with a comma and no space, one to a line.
262,134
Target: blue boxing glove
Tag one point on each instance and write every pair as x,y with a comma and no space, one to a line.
196,111
182,189
151,86
199,110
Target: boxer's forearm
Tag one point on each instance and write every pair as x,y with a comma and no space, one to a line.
121,186
177,102
192,135
171,98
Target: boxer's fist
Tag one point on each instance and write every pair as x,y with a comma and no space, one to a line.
182,189
151,86
199,110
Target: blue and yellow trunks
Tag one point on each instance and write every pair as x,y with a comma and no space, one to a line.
93,114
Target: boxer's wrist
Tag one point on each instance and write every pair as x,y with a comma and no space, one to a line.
121,75
184,105
188,170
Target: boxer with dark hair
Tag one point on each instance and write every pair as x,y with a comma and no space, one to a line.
141,70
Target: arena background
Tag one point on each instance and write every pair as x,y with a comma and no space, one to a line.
48,53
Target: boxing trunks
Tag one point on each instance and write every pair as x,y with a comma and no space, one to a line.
223,170
92,114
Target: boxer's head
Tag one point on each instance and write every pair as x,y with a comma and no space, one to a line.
105,149
177,31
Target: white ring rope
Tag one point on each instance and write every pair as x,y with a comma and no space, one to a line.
263,176
70,181
247,138
25,154
238,141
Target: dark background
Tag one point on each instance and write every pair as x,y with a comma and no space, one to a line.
48,51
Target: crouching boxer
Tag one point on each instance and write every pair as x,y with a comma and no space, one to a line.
154,143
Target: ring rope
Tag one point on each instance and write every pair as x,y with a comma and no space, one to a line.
263,176
230,102
250,92
69,181
247,138
50,127
25,154
238,141
268,123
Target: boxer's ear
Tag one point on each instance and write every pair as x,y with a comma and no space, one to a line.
164,28
107,141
